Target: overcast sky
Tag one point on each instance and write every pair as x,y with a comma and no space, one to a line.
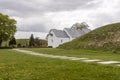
35,16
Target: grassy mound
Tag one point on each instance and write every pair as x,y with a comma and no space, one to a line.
105,37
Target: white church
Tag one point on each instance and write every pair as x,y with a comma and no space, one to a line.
58,37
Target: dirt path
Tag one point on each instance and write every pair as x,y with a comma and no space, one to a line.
69,58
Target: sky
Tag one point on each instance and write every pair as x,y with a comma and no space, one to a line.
39,16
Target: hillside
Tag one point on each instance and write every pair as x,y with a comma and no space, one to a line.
106,37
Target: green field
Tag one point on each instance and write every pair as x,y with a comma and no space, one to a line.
88,53
17,66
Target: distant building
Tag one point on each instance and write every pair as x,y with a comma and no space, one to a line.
58,37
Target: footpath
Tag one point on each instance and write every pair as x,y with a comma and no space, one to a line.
117,63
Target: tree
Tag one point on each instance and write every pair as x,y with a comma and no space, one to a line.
12,42
84,25
7,28
80,25
31,41
37,42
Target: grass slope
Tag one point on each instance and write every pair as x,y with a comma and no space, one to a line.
17,66
107,37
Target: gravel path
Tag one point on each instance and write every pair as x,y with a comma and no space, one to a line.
69,58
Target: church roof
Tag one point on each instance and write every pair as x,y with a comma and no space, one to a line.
76,32
72,32
60,33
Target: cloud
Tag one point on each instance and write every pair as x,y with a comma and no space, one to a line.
37,7
31,15
36,24
23,35
43,15
106,13
65,5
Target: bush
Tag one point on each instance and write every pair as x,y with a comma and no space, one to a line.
6,47
49,46
19,45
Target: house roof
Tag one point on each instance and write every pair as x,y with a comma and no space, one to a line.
86,30
60,33
76,32
69,32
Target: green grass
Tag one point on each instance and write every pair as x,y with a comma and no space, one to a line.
88,53
18,66
105,37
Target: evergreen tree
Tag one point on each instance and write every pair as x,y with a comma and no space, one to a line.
31,41
12,42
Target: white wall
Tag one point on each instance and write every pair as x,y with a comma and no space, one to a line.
56,41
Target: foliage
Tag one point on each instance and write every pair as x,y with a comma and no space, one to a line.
40,43
5,47
12,42
7,27
31,42
80,25
37,43
22,42
20,66
105,37
19,45
44,43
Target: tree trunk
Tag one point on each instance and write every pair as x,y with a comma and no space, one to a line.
0,43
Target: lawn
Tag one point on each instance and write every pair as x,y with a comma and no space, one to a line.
17,66
88,53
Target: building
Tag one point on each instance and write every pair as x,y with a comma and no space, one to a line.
58,37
